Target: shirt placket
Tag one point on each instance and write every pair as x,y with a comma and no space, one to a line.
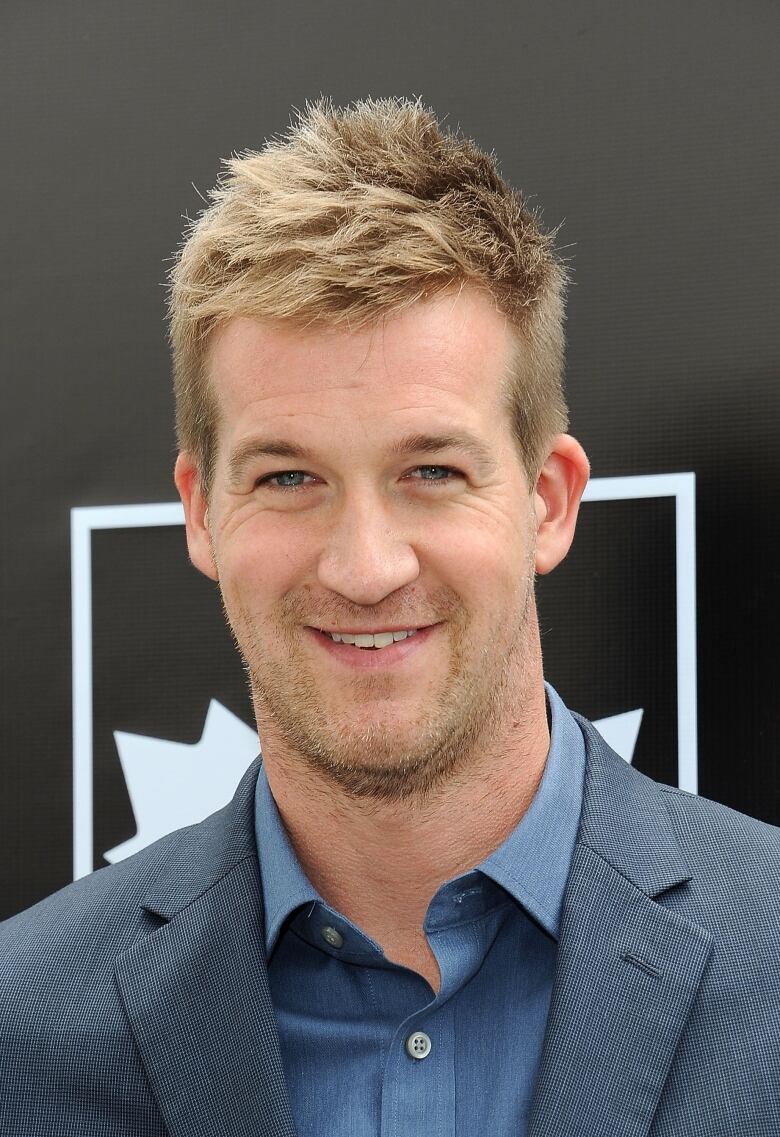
418,1086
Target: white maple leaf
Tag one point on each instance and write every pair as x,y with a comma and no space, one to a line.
172,784
621,732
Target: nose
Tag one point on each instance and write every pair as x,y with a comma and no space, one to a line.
366,557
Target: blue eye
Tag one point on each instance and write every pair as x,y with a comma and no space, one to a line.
294,479
448,471
269,480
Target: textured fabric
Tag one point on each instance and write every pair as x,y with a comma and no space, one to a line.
135,1002
344,1013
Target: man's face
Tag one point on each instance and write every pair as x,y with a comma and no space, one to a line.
395,501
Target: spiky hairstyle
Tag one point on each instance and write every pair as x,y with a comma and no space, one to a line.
354,214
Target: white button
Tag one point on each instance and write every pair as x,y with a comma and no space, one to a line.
418,1045
331,936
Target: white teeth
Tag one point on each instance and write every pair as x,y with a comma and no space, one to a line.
364,641
371,639
383,639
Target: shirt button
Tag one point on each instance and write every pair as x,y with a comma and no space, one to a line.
418,1045
331,936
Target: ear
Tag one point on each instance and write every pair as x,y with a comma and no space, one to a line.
195,515
559,488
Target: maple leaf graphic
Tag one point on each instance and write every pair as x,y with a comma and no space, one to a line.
172,784
621,732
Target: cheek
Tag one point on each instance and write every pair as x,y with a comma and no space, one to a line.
485,582
483,556
258,566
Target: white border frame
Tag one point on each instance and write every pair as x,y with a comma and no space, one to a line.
682,487
83,520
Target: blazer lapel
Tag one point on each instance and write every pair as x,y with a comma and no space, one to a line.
628,968
195,988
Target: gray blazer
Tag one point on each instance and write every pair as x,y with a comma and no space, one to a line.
135,1002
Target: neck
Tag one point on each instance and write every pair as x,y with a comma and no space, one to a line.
380,863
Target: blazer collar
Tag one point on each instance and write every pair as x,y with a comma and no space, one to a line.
628,968
195,984
624,819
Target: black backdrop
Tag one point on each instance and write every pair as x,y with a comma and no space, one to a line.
649,130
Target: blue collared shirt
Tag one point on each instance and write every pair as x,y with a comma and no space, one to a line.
346,1014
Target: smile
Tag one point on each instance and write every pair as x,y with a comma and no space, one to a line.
371,639
372,650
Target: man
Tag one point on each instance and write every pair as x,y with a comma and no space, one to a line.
440,903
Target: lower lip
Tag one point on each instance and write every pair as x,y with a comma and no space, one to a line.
372,659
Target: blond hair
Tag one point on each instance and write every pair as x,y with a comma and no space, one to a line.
355,214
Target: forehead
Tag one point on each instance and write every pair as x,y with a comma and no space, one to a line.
449,354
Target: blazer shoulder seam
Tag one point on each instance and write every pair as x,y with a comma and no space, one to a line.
217,880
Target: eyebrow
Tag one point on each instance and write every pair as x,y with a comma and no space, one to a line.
410,444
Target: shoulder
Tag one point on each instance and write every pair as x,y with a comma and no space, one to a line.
732,888
619,800
63,1026
703,816
64,1037
106,908
57,958
693,854
103,907
727,850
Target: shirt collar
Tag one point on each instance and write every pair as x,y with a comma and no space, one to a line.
285,884
532,864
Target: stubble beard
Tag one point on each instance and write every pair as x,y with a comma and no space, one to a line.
369,759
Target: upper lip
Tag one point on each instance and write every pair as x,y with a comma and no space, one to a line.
369,631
